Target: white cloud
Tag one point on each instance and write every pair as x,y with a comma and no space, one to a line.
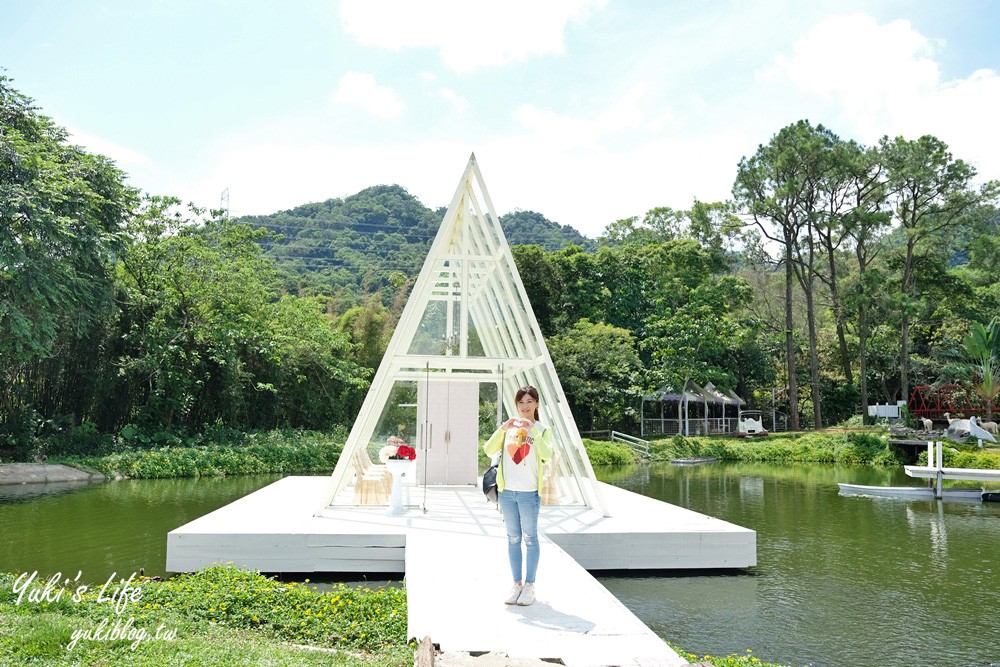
587,189
557,130
565,131
862,66
882,79
362,90
316,172
626,113
577,174
633,154
124,157
856,58
469,35
962,113
458,103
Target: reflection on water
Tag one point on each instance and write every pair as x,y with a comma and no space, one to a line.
840,580
12,493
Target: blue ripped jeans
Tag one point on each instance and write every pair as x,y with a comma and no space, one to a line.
520,515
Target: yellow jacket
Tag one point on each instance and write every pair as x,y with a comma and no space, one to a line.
542,436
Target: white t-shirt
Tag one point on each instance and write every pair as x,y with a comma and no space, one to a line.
520,460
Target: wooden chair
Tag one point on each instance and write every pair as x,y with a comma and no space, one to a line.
372,483
550,486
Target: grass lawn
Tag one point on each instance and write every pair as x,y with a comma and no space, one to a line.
219,616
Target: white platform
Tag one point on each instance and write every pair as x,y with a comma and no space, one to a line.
275,530
966,474
456,584
455,560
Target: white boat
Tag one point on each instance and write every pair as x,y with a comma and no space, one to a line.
693,461
911,492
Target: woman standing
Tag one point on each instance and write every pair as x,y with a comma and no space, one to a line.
526,446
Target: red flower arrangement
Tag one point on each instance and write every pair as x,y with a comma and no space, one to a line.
397,449
405,452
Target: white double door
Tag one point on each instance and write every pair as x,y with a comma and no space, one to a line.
448,422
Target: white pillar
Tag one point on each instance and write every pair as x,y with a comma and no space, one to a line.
939,462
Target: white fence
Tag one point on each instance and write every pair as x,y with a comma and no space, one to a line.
886,411
655,426
637,444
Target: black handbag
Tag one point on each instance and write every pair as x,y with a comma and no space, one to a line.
490,482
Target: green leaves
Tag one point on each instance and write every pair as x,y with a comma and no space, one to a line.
982,349
983,341
599,369
213,339
61,212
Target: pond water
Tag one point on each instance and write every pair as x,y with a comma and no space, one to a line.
865,582
100,529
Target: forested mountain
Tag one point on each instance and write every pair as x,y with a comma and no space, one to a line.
530,228
375,240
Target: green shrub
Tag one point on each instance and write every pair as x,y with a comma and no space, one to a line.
19,434
854,421
731,660
955,458
603,453
354,618
269,452
359,618
860,447
81,440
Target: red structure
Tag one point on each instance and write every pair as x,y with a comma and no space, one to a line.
932,402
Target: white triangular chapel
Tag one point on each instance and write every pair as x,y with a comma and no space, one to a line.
466,335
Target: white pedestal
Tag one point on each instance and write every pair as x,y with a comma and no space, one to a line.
398,468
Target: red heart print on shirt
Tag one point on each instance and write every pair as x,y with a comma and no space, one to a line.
519,449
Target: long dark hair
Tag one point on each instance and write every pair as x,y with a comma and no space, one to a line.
530,391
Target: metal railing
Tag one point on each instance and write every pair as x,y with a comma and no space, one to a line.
637,444
702,426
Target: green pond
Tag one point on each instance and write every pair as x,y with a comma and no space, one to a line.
853,581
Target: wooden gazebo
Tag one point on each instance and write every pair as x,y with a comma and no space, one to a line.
692,410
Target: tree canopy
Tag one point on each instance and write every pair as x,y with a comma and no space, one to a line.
860,271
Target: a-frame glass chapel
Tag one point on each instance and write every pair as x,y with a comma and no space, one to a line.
466,341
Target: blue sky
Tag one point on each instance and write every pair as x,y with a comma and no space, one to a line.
586,111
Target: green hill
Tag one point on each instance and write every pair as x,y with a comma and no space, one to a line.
375,240
530,228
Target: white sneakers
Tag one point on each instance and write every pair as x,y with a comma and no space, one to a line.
527,596
522,596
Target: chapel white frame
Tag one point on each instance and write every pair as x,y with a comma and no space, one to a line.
470,267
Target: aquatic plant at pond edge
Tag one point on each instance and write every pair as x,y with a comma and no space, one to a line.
603,453
956,458
853,447
261,453
731,660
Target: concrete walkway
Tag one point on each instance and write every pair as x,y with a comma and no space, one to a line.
43,473
456,583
